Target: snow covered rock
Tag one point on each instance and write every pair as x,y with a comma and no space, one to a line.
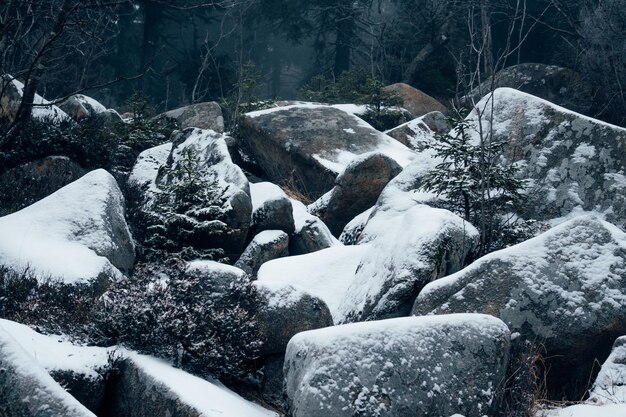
218,276
563,289
201,115
570,160
77,234
326,274
27,390
192,185
351,233
267,245
356,189
12,91
412,366
28,183
286,311
310,234
271,209
305,146
610,384
419,133
416,102
149,387
416,246
558,85
79,107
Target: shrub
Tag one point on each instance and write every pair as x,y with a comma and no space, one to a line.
182,316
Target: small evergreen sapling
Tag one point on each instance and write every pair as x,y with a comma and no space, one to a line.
477,184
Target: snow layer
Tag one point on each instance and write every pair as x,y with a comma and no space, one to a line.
302,218
610,384
586,410
326,274
43,110
210,398
60,236
262,192
146,168
34,352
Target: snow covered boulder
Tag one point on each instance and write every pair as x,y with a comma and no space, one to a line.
352,231
563,289
310,234
285,311
27,390
416,102
198,197
610,384
412,248
412,366
326,274
267,245
305,146
419,133
356,189
201,115
570,161
271,209
28,183
79,107
12,91
77,234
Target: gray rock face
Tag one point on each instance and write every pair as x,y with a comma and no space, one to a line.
201,115
26,184
12,91
408,249
27,390
271,209
570,160
77,234
558,85
311,234
273,381
80,106
416,102
306,146
419,366
285,312
610,384
418,133
356,190
218,213
563,289
267,245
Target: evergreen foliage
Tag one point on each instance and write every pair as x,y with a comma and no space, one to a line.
478,184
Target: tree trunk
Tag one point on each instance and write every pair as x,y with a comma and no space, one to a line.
485,18
345,28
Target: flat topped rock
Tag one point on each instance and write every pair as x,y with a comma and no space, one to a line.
412,366
306,146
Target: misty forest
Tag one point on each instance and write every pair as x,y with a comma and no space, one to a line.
324,208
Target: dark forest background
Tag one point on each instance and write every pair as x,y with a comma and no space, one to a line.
186,51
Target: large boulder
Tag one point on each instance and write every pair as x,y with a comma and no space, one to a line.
27,390
285,311
79,107
12,91
28,183
200,195
356,189
570,161
562,290
419,133
201,115
412,366
410,248
77,234
267,245
271,209
305,146
416,102
310,234
558,85
149,387
325,274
